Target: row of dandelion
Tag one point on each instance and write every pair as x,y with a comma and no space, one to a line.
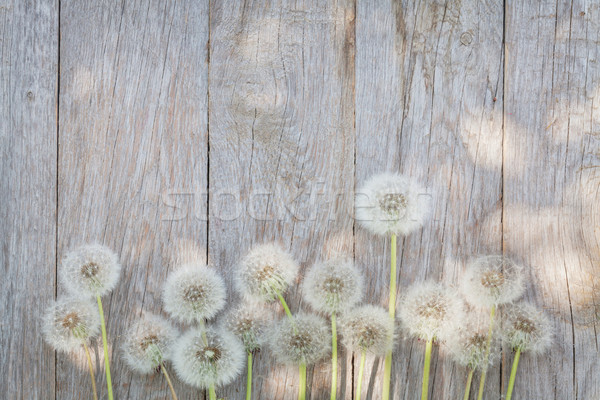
213,349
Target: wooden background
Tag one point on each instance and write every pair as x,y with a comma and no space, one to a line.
154,125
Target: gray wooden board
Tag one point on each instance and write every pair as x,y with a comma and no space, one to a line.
133,153
209,126
28,106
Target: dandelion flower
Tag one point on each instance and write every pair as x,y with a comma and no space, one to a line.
69,323
301,340
90,270
468,346
194,293
333,286
208,358
492,280
526,329
248,322
148,343
392,203
266,272
368,328
429,311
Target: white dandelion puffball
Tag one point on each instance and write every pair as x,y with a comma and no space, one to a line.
266,271
148,343
431,311
305,339
69,323
248,322
368,328
527,328
392,203
333,286
215,357
194,293
90,270
492,281
468,346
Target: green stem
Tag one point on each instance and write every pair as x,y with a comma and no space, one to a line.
361,370
212,395
249,378
513,374
387,367
334,357
425,388
487,353
166,374
468,388
302,387
105,346
91,366
285,306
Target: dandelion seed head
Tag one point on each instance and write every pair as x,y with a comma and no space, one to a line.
333,286
492,281
392,203
216,361
266,271
148,343
431,311
193,293
305,339
90,270
468,345
68,323
528,328
248,322
368,328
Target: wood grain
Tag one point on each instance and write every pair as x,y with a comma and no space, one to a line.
551,153
133,154
207,126
28,106
429,104
282,141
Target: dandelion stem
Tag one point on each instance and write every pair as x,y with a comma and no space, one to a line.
166,374
387,368
302,387
361,370
249,378
285,306
513,374
91,366
487,352
468,387
105,347
334,357
212,395
425,388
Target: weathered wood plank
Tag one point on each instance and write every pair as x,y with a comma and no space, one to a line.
133,152
429,104
282,141
552,154
28,105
